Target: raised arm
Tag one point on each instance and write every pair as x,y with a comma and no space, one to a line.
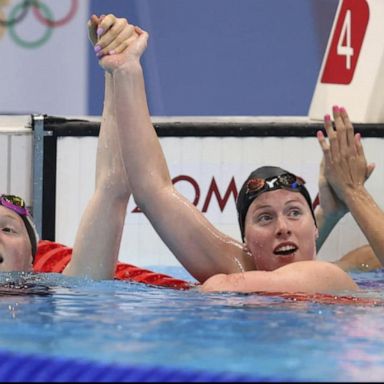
346,170
97,242
196,243
330,210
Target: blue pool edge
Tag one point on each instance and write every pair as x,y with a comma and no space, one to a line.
15,367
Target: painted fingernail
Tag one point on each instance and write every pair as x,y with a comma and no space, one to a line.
97,48
99,31
327,118
335,109
342,109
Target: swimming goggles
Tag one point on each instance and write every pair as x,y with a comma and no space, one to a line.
285,180
15,203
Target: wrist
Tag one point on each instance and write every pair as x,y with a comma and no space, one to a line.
331,214
335,216
130,66
356,195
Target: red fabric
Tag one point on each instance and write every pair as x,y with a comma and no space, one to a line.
325,298
51,257
130,272
54,257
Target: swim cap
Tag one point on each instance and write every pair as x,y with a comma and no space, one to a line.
32,233
264,179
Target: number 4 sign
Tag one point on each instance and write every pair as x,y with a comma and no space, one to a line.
352,73
346,42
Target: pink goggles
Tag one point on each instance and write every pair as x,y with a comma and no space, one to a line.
14,203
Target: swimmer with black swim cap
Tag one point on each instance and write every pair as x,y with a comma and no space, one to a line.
276,218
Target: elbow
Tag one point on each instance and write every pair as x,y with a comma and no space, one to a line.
215,283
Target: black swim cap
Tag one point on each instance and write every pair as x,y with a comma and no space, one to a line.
32,233
264,179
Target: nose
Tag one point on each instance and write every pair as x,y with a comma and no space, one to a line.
282,227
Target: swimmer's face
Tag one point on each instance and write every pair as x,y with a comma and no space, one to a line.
279,229
15,246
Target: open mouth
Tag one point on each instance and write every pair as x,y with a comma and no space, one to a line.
285,250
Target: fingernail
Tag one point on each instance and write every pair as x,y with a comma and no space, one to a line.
327,118
97,48
342,109
335,109
112,52
99,31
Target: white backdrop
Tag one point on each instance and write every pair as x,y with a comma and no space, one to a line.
16,156
202,159
199,160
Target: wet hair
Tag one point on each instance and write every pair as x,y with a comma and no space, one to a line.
257,183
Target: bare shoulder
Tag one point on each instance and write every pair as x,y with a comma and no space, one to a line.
303,276
312,266
318,276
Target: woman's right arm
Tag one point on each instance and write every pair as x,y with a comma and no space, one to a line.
196,243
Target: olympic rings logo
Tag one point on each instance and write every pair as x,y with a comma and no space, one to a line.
41,12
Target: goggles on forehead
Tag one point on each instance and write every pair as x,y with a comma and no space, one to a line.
15,203
285,180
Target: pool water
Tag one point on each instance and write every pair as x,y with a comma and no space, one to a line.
135,324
